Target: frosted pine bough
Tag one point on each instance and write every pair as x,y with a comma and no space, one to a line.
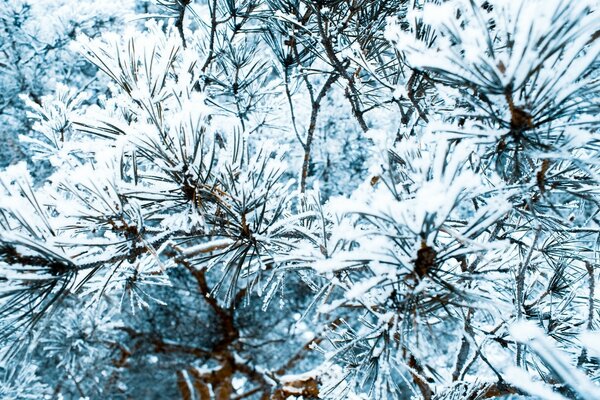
197,231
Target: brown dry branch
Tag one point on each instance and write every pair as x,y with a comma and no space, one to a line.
352,93
316,105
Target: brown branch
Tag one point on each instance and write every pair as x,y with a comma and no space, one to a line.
410,92
305,387
11,256
180,18
316,105
291,104
352,93
220,379
416,371
213,32
186,392
465,346
248,393
225,316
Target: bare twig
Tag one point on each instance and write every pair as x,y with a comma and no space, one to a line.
352,93
316,105
180,19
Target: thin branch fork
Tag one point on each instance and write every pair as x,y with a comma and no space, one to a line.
316,105
352,93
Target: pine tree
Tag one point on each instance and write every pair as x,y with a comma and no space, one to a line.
312,199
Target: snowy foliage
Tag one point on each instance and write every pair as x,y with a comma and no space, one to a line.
300,199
